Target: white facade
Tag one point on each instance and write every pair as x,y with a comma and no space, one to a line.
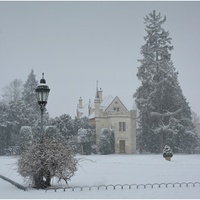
112,114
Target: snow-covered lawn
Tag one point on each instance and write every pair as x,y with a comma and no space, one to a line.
115,169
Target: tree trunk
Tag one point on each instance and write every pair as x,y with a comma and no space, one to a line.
161,143
168,158
39,183
48,179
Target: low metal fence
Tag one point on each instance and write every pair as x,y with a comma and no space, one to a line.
14,183
126,186
111,186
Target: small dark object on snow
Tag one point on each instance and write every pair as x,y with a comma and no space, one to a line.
167,152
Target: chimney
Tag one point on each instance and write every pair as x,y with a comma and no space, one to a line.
100,92
89,108
97,106
80,103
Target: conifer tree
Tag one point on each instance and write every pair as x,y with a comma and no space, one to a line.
164,114
30,85
30,101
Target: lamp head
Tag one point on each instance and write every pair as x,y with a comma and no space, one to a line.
42,92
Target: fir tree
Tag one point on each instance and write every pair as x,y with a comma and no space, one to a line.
165,116
32,109
29,95
167,152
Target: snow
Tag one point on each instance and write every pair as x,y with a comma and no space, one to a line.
106,102
83,110
115,169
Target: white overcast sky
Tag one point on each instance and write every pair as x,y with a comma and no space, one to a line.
77,43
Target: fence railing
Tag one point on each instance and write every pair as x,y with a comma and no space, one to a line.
111,186
126,186
14,183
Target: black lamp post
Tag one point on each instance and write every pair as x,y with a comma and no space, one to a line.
42,92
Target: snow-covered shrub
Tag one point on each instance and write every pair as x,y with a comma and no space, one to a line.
107,141
43,161
85,135
167,152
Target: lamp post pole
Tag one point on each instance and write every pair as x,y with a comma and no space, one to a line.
42,126
42,92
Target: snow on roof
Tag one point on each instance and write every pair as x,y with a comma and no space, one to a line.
91,116
106,102
83,110
103,105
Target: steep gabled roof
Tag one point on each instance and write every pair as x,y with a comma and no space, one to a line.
103,105
106,105
116,102
106,102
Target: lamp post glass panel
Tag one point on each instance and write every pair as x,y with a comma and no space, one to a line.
42,92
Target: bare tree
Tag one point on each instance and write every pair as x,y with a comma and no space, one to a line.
52,158
13,91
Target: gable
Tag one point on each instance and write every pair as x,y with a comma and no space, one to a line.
106,102
116,106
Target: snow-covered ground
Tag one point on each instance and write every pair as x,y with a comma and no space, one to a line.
115,169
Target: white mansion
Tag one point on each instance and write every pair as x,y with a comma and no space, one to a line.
111,113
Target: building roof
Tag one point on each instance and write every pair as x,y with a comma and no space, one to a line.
105,105
106,102
83,110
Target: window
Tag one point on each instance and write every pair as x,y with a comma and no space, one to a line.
116,108
122,126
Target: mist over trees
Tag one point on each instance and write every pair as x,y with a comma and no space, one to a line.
164,114
20,135
165,117
17,111
20,120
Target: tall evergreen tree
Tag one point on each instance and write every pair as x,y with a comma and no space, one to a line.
32,108
29,95
165,116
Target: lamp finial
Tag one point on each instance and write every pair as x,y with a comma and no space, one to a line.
42,79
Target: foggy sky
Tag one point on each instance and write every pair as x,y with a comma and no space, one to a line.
77,43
